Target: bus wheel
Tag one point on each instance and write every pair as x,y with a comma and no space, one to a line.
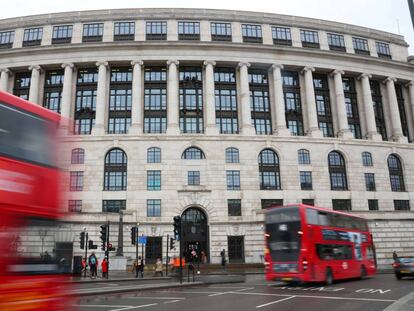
329,277
363,273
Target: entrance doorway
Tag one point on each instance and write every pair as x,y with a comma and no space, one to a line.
195,234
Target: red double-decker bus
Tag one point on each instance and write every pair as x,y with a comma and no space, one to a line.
312,244
30,278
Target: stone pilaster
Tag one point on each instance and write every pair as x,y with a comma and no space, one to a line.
172,98
410,87
313,128
343,127
137,106
4,79
279,104
66,106
34,84
99,127
210,106
246,122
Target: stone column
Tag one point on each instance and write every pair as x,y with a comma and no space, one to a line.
172,98
397,134
343,127
99,128
4,79
313,129
136,113
410,86
210,103
246,124
34,84
279,105
372,133
67,90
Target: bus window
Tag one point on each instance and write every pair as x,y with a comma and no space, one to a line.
323,219
311,216
370,252
334,251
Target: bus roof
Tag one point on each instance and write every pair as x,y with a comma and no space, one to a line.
300,205
25,105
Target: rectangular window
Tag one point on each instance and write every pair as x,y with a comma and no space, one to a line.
188,31
235,249
373,205
260,102
341,205
62,34
155,100
6,39
252,33
153,208
336,42
113,206
267,203
401,205
383,50
32,36
22,84
281,36
153,249
360,46
351,106
124,31
92,32
220,31
75,206
305,180
370,181
85,105
309,38
193,178
323,105
378,108
234,207
401,109
156,30
76,181
308,202
293,105
225,89
53,90
233,180
153,180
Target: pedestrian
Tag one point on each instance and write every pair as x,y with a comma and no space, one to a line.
104,266
203,257
395,257
93,263
83,264
158,267
140,267
223,259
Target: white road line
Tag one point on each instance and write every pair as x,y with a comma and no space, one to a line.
166,298
110,284
101,306
232,291
172,301
317,297
198,292
273,302
135,307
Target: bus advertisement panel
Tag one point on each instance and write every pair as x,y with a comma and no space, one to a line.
311,244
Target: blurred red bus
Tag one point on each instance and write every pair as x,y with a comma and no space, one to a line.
29,203
312,244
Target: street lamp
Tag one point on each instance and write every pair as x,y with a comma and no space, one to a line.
120,249
42,235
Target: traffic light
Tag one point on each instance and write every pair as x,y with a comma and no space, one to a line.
177,227
82,239
134,235
172,241
104,232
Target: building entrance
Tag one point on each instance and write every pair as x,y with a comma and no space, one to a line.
195,234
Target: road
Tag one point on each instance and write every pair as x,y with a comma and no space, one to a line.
372,294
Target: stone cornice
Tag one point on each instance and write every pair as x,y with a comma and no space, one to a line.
199,14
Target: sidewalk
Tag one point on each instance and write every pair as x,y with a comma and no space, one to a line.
405,303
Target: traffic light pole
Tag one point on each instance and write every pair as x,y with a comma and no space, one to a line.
166,259
107,249
136,251
86,253
181,251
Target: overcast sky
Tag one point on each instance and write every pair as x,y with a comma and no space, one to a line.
388,15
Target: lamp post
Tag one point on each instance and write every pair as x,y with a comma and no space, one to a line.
120,249
42,235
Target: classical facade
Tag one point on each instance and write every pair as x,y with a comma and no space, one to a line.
214,115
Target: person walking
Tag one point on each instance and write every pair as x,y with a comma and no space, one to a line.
93,263
140,267
104,266
158,267
395,257
223,259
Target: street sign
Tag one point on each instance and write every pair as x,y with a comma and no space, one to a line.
142,239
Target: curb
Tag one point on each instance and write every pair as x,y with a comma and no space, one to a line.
406,303
120,280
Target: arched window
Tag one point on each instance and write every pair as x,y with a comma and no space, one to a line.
78,156
154,155
193,153
337,171
115,177
232,155
269,170
366,158
396,173
303,156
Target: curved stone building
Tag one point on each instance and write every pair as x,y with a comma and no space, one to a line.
215,115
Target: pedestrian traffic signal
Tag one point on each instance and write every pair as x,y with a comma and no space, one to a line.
134,235
172,241
104,236
82,239
177,226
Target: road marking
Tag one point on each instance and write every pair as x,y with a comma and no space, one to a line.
172,301
199,292
317,297
166,298
101,306
110,284
229,292
276,301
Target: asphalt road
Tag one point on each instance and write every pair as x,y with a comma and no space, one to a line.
372,294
